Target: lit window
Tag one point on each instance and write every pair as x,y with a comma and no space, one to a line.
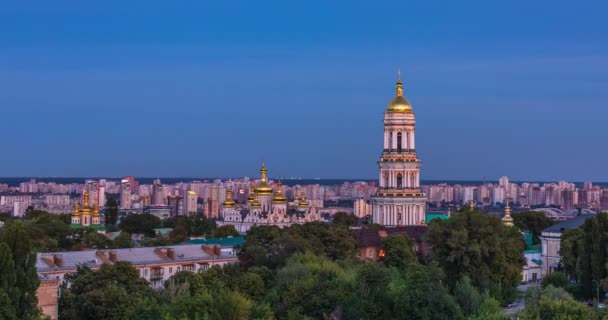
371,253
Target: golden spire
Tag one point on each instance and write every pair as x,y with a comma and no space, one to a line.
507,220
228,203
263,188
399,89
399,104
303,203
85,201
95,210
255,204
251,194
279,198
76,208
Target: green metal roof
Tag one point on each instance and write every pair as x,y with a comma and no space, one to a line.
93,226
224,242
435,215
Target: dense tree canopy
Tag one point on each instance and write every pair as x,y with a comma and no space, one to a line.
109,293
480,247
585,254
532,221
18,277
111,212
140,224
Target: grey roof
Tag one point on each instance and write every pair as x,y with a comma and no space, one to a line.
71,259
569,224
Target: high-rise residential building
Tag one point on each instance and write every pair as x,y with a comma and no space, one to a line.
175,201
503,182
399,200
190,207
132,183
101,195
215,197
362,208
125,194
158,193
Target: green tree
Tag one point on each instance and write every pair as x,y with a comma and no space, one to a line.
109,293
226,231
556,279
23,297
423,297
532,221
7,311
122,241
110,212
309,284
179,234
468,297
398,251
479,246
192,279
140,223
343,218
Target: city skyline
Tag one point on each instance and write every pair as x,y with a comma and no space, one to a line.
211,91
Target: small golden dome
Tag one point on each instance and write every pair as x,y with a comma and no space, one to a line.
263,188
399,102
228,203
279,198
255,204
76,209
303,203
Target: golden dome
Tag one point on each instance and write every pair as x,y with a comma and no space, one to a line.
303,203
255,204
263,188
228,203
251,196
399,102
76,209
279,198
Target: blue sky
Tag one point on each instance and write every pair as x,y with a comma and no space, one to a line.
210,88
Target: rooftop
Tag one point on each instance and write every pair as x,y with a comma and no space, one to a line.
569,224
95,258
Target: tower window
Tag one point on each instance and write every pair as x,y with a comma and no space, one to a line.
399,141
399,180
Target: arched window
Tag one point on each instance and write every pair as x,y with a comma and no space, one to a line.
399,180
385,185
413,180
390,140
399,141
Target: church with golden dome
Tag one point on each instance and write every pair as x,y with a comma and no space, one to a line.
399,200
267,206
86,216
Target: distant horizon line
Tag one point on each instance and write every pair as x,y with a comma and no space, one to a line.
191,178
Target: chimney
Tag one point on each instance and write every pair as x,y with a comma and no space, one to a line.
58,259
171,253
48,259
113,256
208,250
102,255
161,252
217,250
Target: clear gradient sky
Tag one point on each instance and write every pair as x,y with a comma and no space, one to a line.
210,88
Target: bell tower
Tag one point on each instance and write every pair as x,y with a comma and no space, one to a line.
399,200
